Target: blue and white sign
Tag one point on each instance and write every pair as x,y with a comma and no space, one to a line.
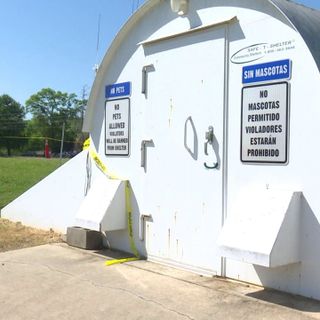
117,120
118,90
276,70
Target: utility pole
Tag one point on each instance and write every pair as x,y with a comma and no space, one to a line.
83,97
62,138
83,106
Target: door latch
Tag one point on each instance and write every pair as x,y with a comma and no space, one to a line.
145,70
209,136
144,145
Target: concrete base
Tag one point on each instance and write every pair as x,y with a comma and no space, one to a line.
264,230
104,207
84,238
61,282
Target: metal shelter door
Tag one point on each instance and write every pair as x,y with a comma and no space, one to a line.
184,110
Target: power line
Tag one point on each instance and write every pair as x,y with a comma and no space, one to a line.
37,138
52,119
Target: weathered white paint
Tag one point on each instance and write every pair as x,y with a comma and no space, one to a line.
190,84
193,81
104,207
54,201
276,232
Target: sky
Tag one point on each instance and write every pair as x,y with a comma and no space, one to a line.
53,43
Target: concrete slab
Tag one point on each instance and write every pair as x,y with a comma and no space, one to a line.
61,282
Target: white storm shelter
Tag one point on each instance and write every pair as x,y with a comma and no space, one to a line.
209,109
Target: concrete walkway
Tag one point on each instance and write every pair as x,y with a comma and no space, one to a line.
60,282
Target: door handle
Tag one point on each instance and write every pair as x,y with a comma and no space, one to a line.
209,136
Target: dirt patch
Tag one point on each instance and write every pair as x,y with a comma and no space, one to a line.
14,235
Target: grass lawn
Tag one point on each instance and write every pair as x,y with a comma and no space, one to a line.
18,174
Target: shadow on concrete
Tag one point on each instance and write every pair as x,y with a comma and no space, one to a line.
287,300
113,254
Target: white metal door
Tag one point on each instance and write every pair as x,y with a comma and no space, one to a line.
184,97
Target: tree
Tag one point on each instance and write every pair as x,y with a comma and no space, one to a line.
11,123
50,109
32,131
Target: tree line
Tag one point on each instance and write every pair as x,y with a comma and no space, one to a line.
51,113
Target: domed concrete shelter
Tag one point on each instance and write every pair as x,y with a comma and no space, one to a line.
220,107
210,109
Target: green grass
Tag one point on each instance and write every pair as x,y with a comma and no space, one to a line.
18,174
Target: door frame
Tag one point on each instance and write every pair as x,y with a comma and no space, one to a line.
225,139
225,126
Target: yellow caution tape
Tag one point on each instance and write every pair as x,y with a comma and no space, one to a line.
118,261
130,231
99,163
86,144
96,158
129,217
